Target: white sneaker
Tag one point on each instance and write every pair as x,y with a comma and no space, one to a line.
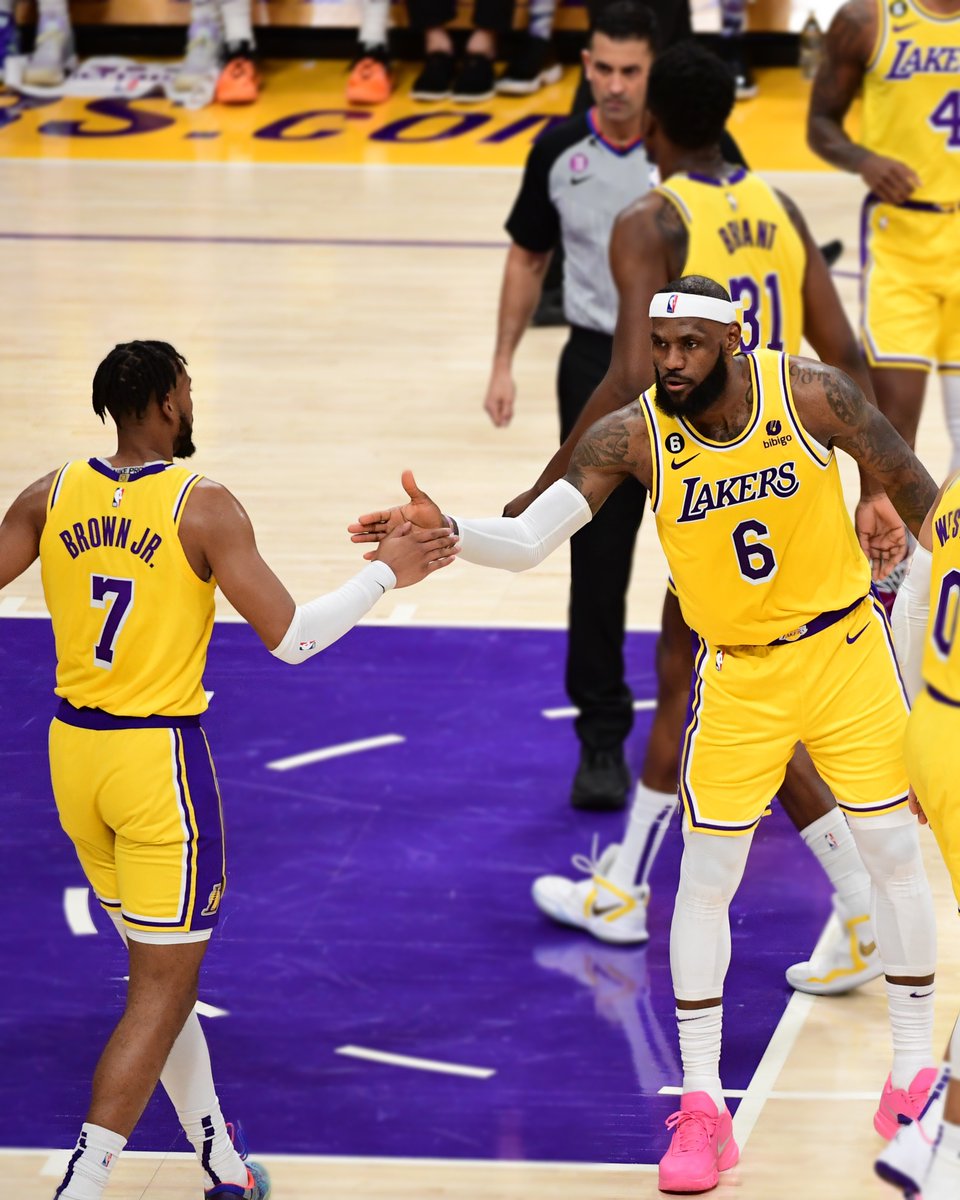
846,962
202,60
53,57
907,1158
595,904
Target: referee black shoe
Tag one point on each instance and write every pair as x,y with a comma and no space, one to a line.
436,78
475,83
602,780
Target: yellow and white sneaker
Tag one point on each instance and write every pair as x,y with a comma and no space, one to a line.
849,959
53,57
604,910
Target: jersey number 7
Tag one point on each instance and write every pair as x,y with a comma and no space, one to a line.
119,592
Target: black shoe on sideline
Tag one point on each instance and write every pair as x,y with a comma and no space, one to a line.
602,781
475,83
831,251
530,69
436,79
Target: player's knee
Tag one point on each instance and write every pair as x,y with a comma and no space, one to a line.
892,858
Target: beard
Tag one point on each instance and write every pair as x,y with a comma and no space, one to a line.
699,398
183,446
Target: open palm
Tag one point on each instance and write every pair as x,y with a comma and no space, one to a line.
420,511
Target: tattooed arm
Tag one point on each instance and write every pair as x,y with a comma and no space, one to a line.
615,447
836,413
848,46
647,249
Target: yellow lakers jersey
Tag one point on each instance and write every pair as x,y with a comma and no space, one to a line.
941,655
756,531
911,101
132,620
741,235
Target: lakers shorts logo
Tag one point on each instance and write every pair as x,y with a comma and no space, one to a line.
213,901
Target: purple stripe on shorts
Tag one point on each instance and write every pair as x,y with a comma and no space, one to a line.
941,698
96,718
863,809
207,857
819,624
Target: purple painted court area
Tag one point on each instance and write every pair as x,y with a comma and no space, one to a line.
382,900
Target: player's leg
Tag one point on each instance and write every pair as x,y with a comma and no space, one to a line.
855,719
948,350
239,81
53,55
852,959
900,398
369,81
532,66
204,47
476,80
431,17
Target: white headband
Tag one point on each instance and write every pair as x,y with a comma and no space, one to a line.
682,304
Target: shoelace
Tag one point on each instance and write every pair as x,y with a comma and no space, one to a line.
589,864
692,1130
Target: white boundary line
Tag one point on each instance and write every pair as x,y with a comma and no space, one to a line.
416,1064
76,909
553,713
502,1164
313,756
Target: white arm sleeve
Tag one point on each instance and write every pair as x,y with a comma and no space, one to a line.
516,543
318,624
911,610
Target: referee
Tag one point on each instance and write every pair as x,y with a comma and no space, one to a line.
578,177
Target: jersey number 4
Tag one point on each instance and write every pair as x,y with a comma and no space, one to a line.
946,118
116,596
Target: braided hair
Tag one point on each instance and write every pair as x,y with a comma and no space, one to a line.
132,375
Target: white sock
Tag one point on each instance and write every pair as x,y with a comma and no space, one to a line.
90,1164
647,824
951,411
204,19
53,11
911,1017
540,17
187,1078
829,839
237,26
373,26
701,1030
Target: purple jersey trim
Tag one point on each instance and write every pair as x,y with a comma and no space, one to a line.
941,698
713,181
619,151
96,718
114,473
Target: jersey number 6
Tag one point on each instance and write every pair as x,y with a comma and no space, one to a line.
756,560
120,592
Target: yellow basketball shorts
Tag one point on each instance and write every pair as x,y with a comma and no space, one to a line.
933,735
139,800
838,691
910,287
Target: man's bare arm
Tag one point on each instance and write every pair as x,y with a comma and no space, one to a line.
848,46
523,276
614,448
837,413
21,528
647,241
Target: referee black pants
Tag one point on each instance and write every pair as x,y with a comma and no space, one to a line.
601,556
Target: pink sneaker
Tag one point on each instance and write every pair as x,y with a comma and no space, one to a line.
900,1106
701,1147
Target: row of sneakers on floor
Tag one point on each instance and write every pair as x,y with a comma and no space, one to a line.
443,78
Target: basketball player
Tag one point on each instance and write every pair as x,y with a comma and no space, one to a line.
712,217
924,1157
131,551
791,647
903,57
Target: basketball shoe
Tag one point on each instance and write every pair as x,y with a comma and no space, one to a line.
906,1160
595,904
369,81
202,59
53,57
239,81
701,1147
845,963
900,1106
257,1186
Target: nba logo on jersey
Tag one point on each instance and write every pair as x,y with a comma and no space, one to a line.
718,661
117,497
672,303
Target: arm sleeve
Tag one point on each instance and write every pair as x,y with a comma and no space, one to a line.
518,543
321,622
534,223
911,611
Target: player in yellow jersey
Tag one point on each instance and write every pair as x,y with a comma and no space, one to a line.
903,57
712,218
132,549
924,1157
792,647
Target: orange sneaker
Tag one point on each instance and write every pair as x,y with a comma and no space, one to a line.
239,82
369,81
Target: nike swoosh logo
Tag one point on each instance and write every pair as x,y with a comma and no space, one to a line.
580,179
684,1020
383,590
920,995
866,950
851,640
601,912
723,1145
677,465
904,28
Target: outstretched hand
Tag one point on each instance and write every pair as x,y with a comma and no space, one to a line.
420,511
413,554
881,532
